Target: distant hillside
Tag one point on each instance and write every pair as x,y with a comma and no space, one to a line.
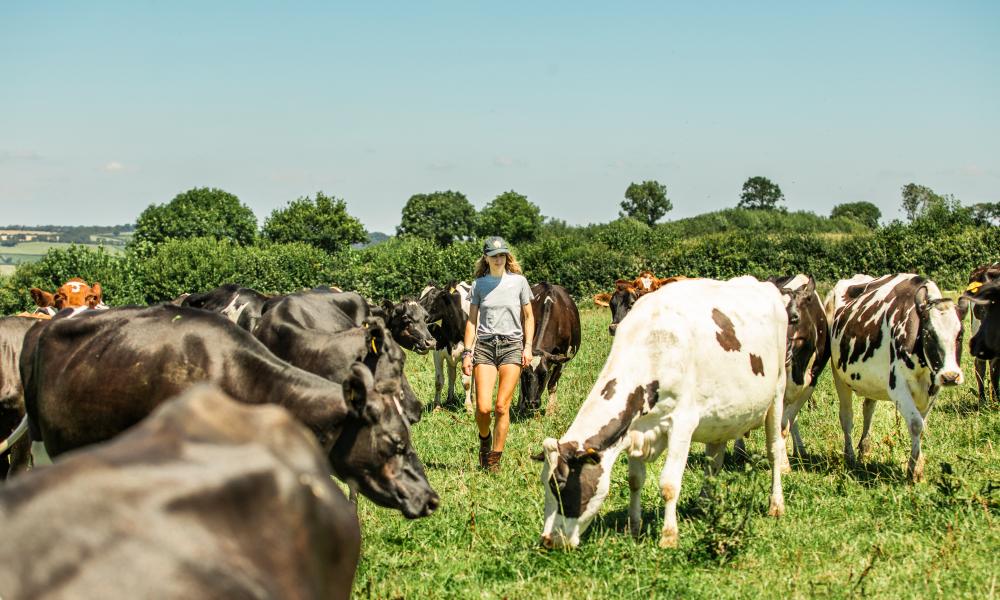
374,238
764,221
113,235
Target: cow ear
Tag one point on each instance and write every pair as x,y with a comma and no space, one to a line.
602,299
920,299
962,308
387,306
42,298
94,297
810,286
539,456
356,389
550,451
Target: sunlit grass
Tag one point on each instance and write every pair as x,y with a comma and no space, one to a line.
866,532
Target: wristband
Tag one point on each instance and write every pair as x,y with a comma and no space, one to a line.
466,353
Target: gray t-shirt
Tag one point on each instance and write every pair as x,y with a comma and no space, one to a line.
500,300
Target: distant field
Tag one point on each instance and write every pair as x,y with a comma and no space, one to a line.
34,251
6,270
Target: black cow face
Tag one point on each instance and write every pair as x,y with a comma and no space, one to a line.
621,303
408,323
387,363
985,345
374,451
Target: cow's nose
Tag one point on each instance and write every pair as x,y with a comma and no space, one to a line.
432,344
546,542
793,319
950,378
612,328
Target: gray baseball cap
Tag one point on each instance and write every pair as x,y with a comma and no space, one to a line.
495,245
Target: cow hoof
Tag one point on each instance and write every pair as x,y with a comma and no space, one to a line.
668,539
635,527
776,509
786,467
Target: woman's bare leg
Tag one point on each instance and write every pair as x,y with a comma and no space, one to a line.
509,376
486,377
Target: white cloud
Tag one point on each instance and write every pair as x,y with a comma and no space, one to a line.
113,167
507,162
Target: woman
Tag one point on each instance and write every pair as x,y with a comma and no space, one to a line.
502,326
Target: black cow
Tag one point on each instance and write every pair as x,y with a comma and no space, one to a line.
448,310
240,305
206,498
325,332
808,347
556,341
407,321
88,378
12,331
980,276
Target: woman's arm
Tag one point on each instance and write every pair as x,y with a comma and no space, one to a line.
470,338
528,321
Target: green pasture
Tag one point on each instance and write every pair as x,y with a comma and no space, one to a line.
865,532
40,248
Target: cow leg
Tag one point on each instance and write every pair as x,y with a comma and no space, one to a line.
20,456
452,368
915,423
678,446
716,454
636,477
865,443
556,373
438,376
776,453
846,417
790,425
980,368
995,378
740,453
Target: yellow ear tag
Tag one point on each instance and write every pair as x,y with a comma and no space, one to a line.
374,350
974,286
451,291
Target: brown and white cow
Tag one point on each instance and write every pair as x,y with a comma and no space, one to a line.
207,498
980,276
894,338
447,307
698,361
75,293
808,348
627,292
556,341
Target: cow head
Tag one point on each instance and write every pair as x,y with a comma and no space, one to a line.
797,299
535,378
444,312
985,344
621,302
576,481
374,453
940,336
408,323
386,361
75,293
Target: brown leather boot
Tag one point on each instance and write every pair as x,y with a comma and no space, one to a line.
493,462
485,447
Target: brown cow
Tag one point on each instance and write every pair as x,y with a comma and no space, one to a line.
628,292
207,498
556,341
74,293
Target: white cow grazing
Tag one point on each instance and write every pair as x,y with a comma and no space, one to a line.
700,360
893,338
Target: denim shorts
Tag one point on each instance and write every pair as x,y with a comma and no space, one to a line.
498,350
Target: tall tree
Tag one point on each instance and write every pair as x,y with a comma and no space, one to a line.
862,212
440,216
199,212
511,216
986,213
760,193
323,222
646,201
917,200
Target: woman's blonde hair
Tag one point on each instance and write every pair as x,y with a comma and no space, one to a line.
483,266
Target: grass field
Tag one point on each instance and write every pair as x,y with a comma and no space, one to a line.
864,533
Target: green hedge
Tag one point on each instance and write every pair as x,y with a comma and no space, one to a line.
584,260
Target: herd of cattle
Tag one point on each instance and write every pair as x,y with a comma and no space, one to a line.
699,360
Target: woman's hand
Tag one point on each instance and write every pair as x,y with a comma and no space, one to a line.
467,365
526,357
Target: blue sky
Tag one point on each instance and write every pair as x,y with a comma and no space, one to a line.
108,107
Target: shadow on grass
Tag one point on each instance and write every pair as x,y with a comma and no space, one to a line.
617,521
968,404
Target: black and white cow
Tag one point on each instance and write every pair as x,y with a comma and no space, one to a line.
556,341
697,361
240,305
448,310
979,277
89,378
894,338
